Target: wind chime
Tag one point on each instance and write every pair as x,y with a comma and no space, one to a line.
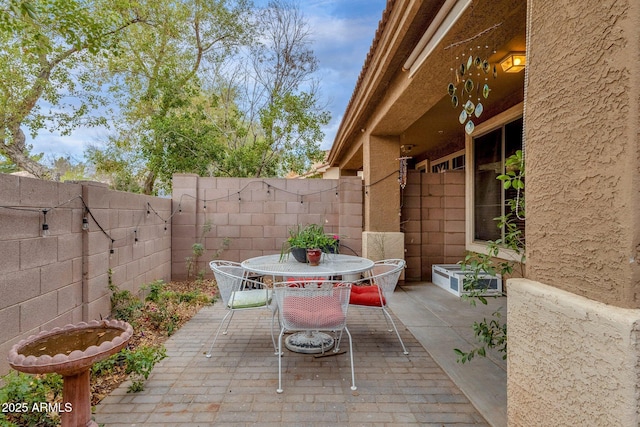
402,172
471,82
470,76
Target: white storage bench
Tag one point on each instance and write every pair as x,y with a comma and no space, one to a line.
450,277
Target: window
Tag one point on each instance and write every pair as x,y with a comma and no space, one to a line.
488,148
453,161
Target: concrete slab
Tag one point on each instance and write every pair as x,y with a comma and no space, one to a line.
441,322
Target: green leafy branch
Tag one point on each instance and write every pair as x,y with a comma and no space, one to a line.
492,334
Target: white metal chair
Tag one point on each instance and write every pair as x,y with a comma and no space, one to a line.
310,306
238,293
377,287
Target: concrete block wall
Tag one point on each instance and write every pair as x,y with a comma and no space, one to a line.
52,281
251,217
433,218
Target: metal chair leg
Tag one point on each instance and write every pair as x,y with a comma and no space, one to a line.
395,329
218,332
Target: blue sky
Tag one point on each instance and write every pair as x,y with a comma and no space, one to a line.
342,32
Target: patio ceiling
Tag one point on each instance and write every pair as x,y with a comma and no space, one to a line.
417,108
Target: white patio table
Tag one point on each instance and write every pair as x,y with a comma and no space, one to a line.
331,266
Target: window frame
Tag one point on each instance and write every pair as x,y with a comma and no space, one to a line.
490,125
448,160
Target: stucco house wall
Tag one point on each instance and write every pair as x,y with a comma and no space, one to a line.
574,357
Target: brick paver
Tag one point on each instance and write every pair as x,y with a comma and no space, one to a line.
237,385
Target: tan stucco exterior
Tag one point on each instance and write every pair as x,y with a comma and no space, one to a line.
573,322
572,361
583,160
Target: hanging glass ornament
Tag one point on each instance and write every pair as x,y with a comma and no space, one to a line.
486,67
479,109
462,69
469,127
469,62
478,62
454,101
485,91
468,85
469,107
462,117
451,89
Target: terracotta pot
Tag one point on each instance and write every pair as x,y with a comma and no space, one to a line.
313,256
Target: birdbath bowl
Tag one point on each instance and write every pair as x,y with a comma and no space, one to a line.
71,351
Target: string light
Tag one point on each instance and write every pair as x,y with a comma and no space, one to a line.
85,220
45,226
45,229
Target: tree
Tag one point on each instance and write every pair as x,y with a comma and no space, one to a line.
46,47
207,111
285,93
158,83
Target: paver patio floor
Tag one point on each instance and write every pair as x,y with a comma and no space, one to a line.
237,385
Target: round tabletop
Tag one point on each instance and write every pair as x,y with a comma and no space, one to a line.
331,264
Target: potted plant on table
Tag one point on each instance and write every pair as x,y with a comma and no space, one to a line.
306,243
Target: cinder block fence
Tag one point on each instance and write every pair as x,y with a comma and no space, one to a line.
63,278
131,239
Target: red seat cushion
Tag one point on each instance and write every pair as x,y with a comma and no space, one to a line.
366,295
320,312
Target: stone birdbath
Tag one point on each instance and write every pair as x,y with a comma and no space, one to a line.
71,351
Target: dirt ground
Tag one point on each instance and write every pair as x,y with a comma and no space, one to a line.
145,333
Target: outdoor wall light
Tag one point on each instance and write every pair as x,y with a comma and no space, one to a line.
514,62
407,148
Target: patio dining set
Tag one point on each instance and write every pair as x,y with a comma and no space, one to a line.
308,303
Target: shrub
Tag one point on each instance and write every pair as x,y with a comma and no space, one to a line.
21,392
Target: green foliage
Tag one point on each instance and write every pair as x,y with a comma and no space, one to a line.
138,364
124,305
198,250
492,334
292,129
46,49
311,236
155,290
162,313
25,391
181,110
166,115
125,169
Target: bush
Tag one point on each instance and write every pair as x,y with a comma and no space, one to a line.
21,392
